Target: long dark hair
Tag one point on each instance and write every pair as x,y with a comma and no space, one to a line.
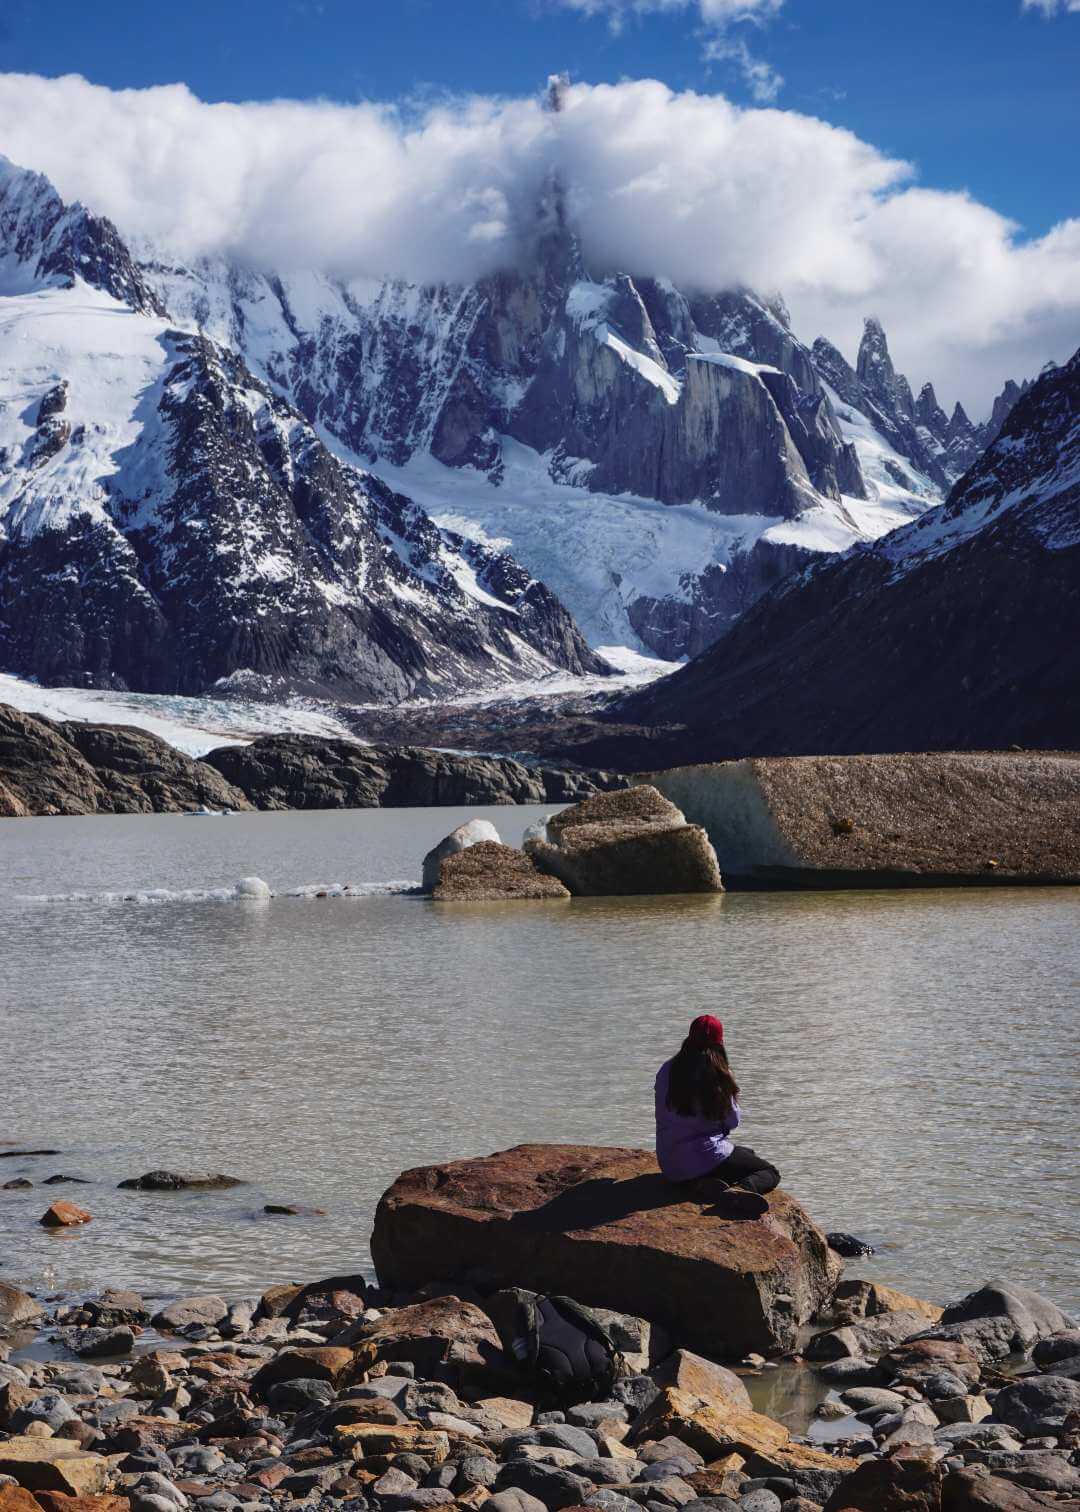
700,1083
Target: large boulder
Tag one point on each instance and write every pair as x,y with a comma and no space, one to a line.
491,873
53,1464
458,840
627,842
919,819
1000,1319
602,1225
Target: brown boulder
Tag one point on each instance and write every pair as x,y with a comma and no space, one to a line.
18,1499
628,842
867,1338
719,1428
855,1300
701,1378
64,1215
442,1331
914,1359
53,1465
140,1432
492,873
56,1501
602,1225
975,1491
320,1363
17,1306
908,1480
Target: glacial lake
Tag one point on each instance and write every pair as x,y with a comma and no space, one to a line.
909,1060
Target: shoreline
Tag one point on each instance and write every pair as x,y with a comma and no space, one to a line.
334,1392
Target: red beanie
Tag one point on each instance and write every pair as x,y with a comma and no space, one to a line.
706,1033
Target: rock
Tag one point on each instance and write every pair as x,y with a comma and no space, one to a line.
1057,1346
64,1215
859,1398
553,1487
962,1409
98,1343
48,767
368,1440
15,1499
114,1307
761,1500
628,842
300,1395
173,1181
53,1465
318,1363
998,1320
1038,1404
209,1311
18,1184
919,1358
292,1210
514,1499
907,1480
971,1491
17,1306
775,819
851,1372
458,840
431,1334
603,1226
701,1378
854,1300
49,1407
869,1338
491,873
509,1411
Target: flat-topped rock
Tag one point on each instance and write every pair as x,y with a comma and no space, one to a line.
602,1225
488,872
626,843
920,819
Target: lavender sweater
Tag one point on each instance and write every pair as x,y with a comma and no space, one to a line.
689,1147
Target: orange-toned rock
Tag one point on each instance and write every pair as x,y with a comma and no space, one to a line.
53,1465
64,1215
603,1226
56,1501
430,1334
367,1439
320,1363
17,1499
908,1480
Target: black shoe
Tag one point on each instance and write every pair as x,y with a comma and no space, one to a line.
735,1203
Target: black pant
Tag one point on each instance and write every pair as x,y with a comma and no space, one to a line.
745,1168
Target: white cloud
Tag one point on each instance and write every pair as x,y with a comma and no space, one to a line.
682,184
1050,8
718,17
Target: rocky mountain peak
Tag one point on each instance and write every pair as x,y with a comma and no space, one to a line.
46,242
875,370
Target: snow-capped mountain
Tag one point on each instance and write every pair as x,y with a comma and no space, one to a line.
169,521
209,470
956,631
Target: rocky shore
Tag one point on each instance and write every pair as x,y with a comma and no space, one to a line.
400,1397
50,767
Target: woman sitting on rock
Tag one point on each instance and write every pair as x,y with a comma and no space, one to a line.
697,1110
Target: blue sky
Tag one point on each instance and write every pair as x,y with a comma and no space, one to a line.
981,94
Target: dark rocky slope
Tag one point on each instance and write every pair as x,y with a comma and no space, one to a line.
956,632
49,767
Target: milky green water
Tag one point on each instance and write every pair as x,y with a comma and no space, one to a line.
908,1059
